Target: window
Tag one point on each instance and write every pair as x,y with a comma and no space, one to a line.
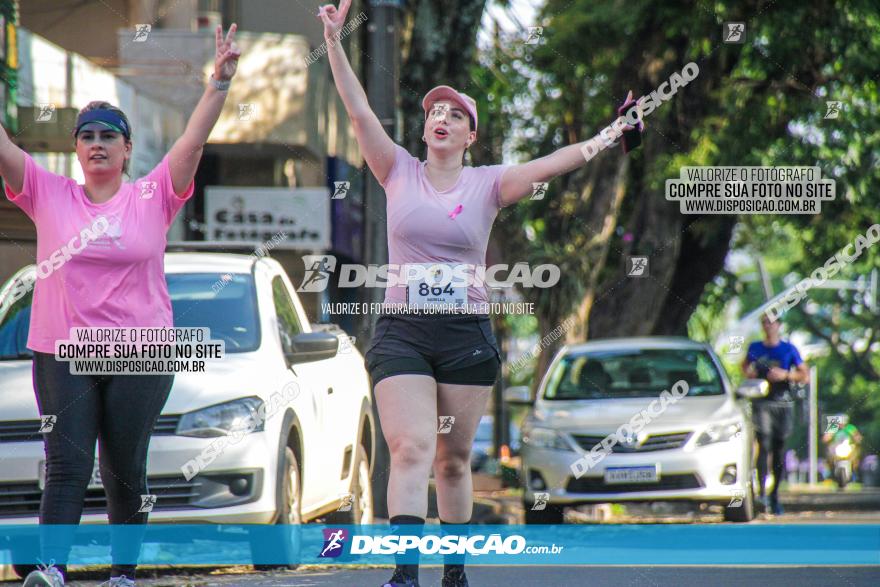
288,323
632,373
15,323
225,303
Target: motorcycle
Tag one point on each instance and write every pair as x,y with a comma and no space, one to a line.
842,451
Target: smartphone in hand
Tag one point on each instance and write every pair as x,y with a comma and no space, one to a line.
632,136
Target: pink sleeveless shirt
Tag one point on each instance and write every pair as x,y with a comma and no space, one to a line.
451,226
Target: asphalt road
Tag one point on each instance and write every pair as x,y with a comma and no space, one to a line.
809,509
548,576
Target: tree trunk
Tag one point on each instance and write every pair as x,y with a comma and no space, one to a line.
440,44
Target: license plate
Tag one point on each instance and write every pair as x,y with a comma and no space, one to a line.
647,474
94,481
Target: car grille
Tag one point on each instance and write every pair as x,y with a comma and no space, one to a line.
29,430
23,499
651,443
666,482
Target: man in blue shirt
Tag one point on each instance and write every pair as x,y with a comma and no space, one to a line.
780,363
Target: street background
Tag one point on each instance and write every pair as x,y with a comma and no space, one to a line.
798,86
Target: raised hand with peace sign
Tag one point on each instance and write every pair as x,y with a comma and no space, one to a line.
333,19
226,57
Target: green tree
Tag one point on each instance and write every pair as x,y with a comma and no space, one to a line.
757,103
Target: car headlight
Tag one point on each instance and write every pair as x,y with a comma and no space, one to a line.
545,438
222,419
720,433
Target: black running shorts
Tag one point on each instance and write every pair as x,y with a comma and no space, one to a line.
452,348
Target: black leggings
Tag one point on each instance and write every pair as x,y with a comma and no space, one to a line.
119,411
773,425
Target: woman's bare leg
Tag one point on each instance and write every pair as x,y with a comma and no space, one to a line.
452,464
407,407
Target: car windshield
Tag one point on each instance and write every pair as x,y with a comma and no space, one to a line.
632,373
225,303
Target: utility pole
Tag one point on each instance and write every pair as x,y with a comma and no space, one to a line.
382,70
765,278
813,441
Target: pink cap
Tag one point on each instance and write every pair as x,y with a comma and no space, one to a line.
446,93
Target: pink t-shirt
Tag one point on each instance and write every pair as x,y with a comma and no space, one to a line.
117,279
420,229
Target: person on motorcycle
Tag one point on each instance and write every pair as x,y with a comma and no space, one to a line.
842,444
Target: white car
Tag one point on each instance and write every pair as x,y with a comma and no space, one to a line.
311,457
697,448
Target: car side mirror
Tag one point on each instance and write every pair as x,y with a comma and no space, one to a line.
312,346
753,389
518,395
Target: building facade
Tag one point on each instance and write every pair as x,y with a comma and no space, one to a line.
284,126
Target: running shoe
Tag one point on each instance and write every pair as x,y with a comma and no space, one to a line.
45,576
455,578
775,506
401,579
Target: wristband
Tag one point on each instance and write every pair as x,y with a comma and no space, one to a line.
222,86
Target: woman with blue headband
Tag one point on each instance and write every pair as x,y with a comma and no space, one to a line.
112,277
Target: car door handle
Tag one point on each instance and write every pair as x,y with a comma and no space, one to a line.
329,390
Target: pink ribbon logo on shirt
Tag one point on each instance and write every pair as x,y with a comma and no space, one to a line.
456,212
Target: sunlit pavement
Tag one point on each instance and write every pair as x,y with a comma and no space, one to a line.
820,507
547,576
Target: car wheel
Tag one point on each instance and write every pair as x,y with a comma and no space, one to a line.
289,513
361,511
840,478
745,512
551,514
